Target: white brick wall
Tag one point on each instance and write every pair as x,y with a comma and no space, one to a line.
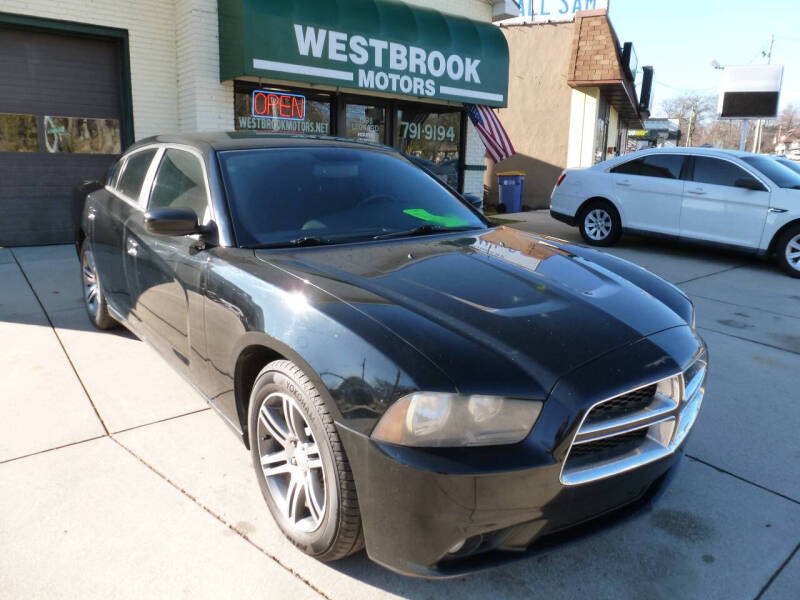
174,54
205,103
479,10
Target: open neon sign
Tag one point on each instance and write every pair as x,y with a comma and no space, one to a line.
279,105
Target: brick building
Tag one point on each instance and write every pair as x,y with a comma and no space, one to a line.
83,80
571,99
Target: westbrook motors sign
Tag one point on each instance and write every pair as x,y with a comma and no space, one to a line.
378,45
394,67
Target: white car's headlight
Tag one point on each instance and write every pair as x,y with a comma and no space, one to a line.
432,419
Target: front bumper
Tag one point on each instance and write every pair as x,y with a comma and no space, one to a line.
444,512
413,517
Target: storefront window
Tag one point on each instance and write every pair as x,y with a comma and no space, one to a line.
433,138
601,131
300,113
365,122
81,135
18,133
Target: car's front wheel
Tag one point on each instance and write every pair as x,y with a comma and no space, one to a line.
301,464
93,298
788,251
600,224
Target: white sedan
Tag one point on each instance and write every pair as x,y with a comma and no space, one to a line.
729,199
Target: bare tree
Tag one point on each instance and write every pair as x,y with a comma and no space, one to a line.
789,117
694,113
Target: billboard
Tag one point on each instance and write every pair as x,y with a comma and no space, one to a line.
750,92
544,11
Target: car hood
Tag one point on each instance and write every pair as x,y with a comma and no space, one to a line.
499,305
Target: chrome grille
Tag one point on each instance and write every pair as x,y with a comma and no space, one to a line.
635,428
632,402
608,446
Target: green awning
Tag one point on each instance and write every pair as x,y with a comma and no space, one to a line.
380,45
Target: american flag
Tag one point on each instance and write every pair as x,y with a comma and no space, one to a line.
491,131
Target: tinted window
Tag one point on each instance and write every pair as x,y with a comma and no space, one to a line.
667,166
337,194
717,172
632,167
130,183
782,175
179,183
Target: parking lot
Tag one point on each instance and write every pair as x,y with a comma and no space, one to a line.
116,479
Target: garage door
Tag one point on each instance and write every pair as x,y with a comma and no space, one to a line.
60,113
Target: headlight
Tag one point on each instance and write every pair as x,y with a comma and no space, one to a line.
431,419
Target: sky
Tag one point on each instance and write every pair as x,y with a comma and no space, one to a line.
681,38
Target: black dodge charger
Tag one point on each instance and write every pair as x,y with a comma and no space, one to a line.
406,376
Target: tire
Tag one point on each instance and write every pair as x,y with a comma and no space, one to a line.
327,532
93,298
787,251
600,224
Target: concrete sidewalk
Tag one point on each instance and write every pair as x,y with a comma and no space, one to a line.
117,480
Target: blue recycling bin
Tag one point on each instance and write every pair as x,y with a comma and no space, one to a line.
512,184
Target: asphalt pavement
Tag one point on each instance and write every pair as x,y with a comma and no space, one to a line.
117,479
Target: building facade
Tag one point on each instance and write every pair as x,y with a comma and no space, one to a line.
571,100
90,78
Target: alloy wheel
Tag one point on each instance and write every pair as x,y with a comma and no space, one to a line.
793,252
91,288
291,462
598,224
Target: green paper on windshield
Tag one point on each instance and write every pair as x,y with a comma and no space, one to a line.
424,215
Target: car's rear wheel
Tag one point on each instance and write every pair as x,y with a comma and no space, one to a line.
600,224
788,251
301,464
93,298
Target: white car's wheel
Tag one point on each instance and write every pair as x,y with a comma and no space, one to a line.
788,251
599,223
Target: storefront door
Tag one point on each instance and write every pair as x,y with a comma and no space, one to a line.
367,122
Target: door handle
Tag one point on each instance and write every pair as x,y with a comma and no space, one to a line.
624,183
133,248
698,191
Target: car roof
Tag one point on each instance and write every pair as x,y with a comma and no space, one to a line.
721,152
239,140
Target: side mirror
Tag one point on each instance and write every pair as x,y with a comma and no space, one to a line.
475,201
749,183
171,222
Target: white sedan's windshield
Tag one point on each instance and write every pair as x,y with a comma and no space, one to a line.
783,176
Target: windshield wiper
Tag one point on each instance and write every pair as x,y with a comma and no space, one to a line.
421,230
308,240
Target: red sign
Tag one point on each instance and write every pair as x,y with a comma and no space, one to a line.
279,105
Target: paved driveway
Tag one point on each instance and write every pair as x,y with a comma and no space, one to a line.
117,480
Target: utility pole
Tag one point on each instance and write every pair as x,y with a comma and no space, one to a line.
760,122
690,129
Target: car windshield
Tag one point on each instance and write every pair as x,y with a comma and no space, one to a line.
793,165
782,176
308,196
